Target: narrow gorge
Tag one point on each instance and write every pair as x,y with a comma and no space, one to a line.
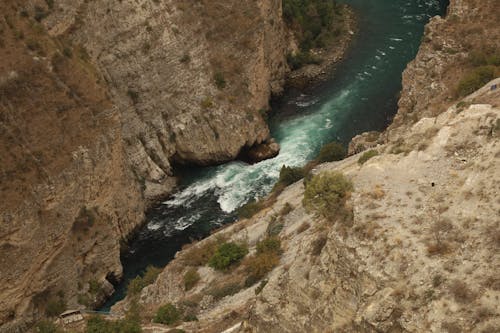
116,118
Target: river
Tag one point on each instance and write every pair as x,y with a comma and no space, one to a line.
361,96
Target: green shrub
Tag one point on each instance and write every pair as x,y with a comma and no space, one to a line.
138,283
484,58
97,324
266,258
199,255
40,13
287,208
366,156
227,289
259,265
313,20
269,245
290,175
261,286
167,314
191,278
475,80
300,59
333,151
326,194
55,306
226,255
250,209
220,82
318,244
46,326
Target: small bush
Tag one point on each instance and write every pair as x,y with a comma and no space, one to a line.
227,289
300,59
366,156
250,209
266,258
55,306
461,292
287,208
269,245
97,324
167,314
226,255
330,152
191,278
290,175
261,286
207,102
199,255
326,194
40,13
46,326
138,283
259,265
475,80
484,58
134,96
220,82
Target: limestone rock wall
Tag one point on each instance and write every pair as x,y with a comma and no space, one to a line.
188,77
67,195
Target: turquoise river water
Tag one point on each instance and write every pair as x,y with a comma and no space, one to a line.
361,96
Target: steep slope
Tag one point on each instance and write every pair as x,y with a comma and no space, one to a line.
191,79
418,254
68,198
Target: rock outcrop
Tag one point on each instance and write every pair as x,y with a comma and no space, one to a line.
449,51
189,78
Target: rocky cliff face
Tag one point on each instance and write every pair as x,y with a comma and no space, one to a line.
188,78
68,197
98,101
449,51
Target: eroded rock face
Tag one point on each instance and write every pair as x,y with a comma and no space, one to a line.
188,77
68,197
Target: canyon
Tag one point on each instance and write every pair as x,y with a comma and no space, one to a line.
99,103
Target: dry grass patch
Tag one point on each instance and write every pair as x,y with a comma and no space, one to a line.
461,292
199,254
